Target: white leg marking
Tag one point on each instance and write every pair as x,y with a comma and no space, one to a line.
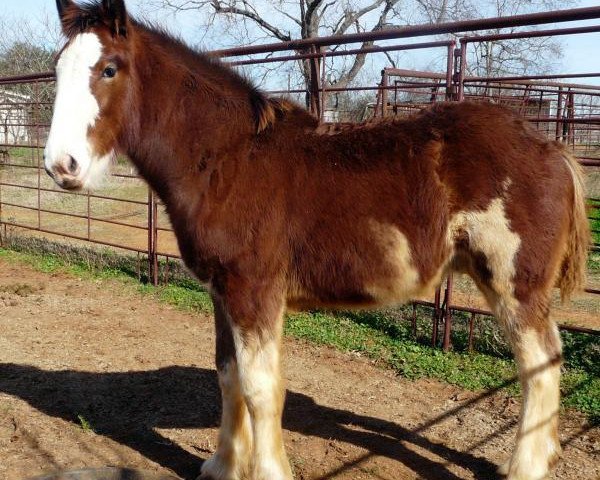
232,458
537,442
537,446
259,366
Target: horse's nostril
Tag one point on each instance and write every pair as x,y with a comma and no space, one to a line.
73,166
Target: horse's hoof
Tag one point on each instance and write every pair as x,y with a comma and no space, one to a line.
504,468
214,468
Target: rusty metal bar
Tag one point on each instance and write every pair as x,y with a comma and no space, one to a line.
471,328
420,31
341,53
66,192
37,117
460,72
76,215
74,237
29,78
152,239
436,317
516,78
531,34
447,344
559,114
450,70
414,320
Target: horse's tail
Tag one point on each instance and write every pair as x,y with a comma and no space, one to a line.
574,271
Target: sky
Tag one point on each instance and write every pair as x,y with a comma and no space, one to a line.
581,52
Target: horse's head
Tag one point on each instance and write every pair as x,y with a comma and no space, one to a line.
93,74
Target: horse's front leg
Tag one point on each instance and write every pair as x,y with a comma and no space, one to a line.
255,317
231,461
258,354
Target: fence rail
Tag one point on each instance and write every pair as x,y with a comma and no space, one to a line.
134,221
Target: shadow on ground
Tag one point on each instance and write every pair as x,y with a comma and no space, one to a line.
128,407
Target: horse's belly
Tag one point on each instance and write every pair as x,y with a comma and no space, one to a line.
382,272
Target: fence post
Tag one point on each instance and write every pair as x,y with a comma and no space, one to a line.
449,70
570,125
436,316
471,325
447,315
559,113
315,87
384,92
460,64
152,238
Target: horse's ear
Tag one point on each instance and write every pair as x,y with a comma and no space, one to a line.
116,14
62,6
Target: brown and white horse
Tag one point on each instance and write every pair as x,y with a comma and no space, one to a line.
273,212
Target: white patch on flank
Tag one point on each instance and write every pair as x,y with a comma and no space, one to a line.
490,234
403,282
76,109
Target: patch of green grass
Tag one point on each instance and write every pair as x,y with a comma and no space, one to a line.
594,217
84,424
594,262
407,357
24,155
384,336
192,300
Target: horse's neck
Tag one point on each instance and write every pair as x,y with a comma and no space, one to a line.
182,129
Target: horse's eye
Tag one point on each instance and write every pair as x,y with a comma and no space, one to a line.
109,72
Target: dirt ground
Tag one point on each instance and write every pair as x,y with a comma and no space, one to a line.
94,374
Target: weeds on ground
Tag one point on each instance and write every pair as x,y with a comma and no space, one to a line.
594,217
84,424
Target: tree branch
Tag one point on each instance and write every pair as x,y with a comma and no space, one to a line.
244,12
359,60
351,17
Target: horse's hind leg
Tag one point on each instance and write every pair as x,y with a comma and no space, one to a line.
537,348
518,291
232,458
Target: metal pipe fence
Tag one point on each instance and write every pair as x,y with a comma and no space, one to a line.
123,214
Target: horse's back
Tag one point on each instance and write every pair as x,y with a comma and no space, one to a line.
392,203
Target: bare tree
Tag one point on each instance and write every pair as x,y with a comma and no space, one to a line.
247,21
27,46
507,57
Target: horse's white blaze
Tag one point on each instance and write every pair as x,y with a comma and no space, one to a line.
76,109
